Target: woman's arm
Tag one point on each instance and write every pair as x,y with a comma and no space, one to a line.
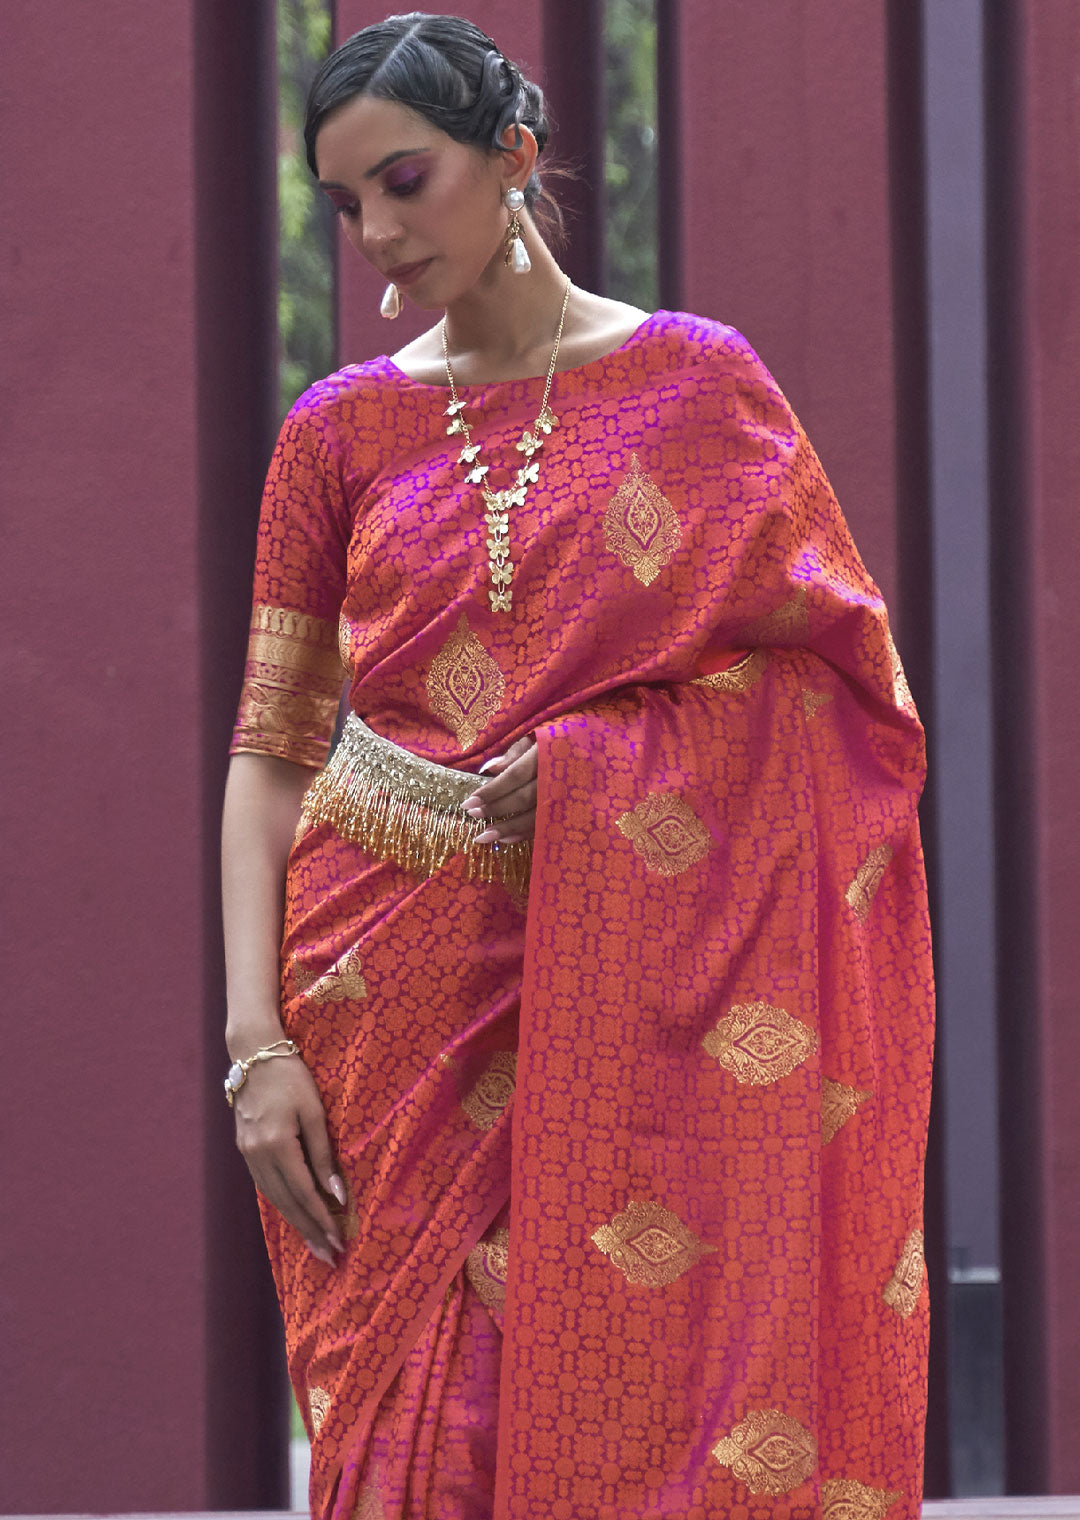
280,1123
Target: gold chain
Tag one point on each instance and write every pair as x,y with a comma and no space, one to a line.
498,503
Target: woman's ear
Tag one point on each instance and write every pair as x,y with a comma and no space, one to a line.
519,161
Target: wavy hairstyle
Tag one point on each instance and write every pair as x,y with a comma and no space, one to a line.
448,71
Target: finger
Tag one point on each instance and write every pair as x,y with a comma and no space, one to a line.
518,800
309,1213
518,773
316,1140
300,1222
272,1187
285,1157
521,826
498,763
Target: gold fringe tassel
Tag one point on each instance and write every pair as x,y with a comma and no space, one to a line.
398,806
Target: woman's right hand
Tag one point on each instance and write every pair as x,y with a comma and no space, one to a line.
281,1134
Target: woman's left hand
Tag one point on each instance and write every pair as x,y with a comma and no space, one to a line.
508,798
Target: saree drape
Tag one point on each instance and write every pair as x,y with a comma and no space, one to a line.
634,1158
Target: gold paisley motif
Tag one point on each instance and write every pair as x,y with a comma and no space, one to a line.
845,1499
839,1103
902,1290
649,1244
860,894
344,982
640,525
666,833
759,1043
486,1267
319,1405
768,1451
813,701
739,677
788,624
486,1101
464,685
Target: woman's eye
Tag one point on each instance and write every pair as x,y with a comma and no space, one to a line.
347,211
406,187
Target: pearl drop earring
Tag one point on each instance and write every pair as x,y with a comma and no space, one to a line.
391,303
516,255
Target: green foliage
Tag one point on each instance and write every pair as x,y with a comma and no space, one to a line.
305,221
630,152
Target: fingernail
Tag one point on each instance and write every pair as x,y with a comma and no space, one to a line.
493,761
321,1253
489,836
337,1187
337,1243
474,809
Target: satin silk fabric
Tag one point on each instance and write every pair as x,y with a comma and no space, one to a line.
678,1101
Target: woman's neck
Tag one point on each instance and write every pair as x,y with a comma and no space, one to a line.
507,322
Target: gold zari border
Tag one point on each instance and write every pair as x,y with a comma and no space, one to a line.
398,806
738,677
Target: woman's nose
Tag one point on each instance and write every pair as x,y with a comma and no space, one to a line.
382,229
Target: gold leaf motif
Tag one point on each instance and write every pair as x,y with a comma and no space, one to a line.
666,833
486,1267
303,975
759,1043
344,982
768,1451
845,1499
901,690
860,894
813,701
319,1404
464,684
649,1244
740,677
838,1104
485,1102
902,1290
788,624
640,525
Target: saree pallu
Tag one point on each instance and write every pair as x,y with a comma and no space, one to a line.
634,1159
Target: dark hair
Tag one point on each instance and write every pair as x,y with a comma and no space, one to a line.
445,69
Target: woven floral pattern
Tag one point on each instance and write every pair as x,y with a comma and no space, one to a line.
796,1295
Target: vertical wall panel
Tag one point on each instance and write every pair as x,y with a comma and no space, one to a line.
1034,149
784,224
111,508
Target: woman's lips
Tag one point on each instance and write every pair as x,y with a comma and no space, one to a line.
405,274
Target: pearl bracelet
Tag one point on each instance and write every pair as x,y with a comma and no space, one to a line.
238,1071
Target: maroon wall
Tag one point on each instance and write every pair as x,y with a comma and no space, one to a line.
779,114
1035,389
137,380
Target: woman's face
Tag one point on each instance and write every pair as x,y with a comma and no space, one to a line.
425,210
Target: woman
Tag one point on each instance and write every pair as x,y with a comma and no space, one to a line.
591,1165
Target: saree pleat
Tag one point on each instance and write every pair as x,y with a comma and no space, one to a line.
634,1159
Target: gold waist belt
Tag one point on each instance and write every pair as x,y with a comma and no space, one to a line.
399,807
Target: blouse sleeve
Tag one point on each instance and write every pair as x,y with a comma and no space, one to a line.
294,675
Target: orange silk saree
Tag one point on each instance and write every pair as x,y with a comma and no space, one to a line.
633,1132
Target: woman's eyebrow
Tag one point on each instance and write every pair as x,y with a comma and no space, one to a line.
384,163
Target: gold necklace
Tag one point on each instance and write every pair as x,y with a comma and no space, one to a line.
498,503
